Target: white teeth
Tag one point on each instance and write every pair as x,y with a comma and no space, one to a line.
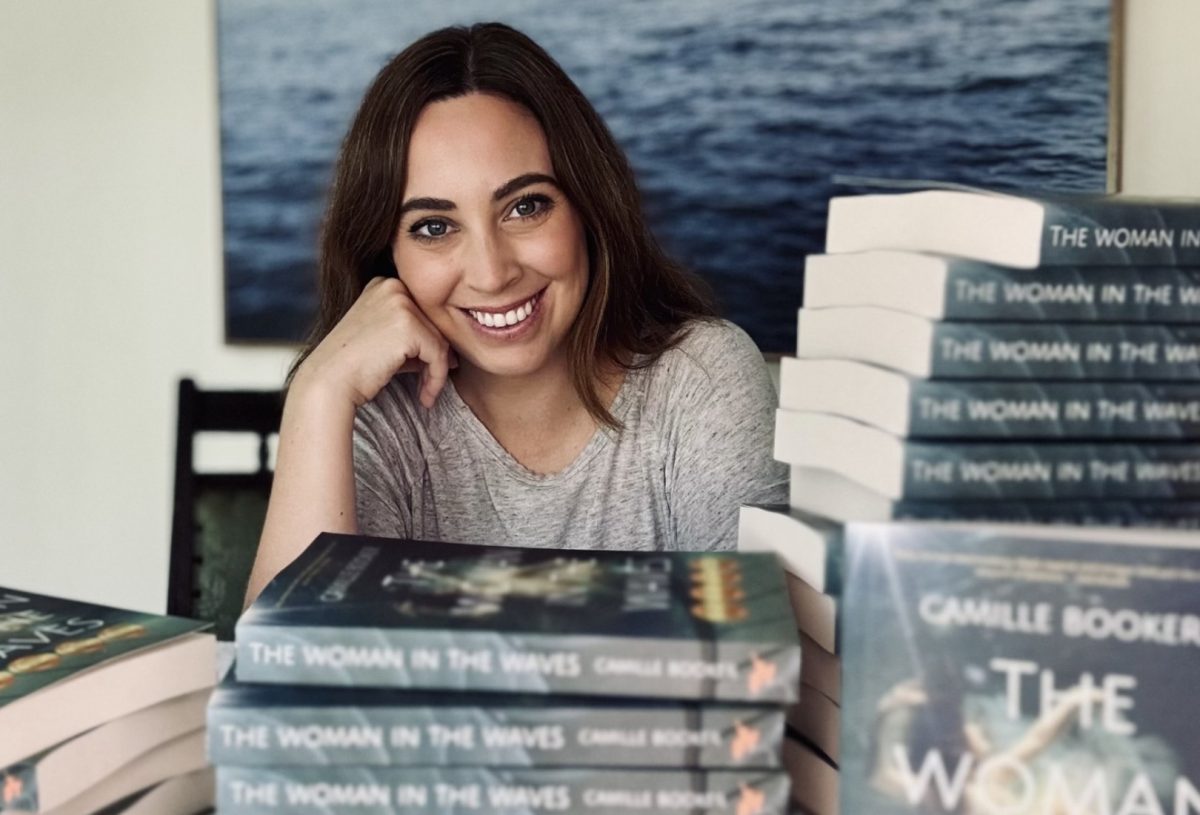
511,317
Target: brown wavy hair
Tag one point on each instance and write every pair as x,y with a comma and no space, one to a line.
638,300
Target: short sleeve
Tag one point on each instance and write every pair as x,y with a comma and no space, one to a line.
385,461
718,408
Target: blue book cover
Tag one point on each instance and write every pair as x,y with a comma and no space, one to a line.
257,725
365,611
504,791
1024,670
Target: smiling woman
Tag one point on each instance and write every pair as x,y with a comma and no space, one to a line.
504,354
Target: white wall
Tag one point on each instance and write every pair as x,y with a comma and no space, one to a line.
110,285
1161,139
110,266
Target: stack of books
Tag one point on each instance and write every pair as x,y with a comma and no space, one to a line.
967,355
808,549
377,675
977,355
101,708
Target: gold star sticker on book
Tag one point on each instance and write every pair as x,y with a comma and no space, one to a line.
762,673
744,741
750,800
12,788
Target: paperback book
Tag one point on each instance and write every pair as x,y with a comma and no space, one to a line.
254,725
178,757
66,667
466,791
949,288
928,348
379,612
799,539
42,782
1023,670
838,498
1024,232
901,468
978,408
816,721
191,793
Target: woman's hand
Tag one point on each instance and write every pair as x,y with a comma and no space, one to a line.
382,334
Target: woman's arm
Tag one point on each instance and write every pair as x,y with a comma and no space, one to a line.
313,491
720,431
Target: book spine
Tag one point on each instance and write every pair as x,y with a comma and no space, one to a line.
1109,512
957,408
1072,351
461,660
442,791
1112,233
981,291
526,736
1058,470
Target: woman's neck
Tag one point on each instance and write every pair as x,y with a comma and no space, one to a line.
539,418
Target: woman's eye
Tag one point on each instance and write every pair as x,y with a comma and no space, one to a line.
430,228
529,206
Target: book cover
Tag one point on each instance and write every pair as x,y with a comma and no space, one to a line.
253,725
460,791
838,498
923,470
67,666
1025,232
977,408
379,612
947,288
1019,670
928,348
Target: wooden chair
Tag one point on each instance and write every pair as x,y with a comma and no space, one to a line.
218,516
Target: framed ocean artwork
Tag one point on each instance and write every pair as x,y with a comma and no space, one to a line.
737,115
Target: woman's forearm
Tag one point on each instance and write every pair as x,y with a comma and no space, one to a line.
313,489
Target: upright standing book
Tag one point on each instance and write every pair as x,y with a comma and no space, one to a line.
1024,670
377,612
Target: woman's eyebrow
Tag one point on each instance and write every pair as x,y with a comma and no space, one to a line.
439,204
526,180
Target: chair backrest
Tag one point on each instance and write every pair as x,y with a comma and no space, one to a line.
218,516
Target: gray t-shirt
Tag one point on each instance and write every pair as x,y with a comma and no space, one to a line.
696,444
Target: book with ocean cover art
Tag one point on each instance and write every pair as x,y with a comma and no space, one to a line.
353,610
1021,230
1022,670
68,666
513,791
257,725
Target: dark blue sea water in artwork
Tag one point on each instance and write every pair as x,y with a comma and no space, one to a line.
736,115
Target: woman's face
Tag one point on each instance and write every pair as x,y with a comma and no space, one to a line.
488,245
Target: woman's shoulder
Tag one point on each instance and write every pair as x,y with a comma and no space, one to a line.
711,348
712,358
397,414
